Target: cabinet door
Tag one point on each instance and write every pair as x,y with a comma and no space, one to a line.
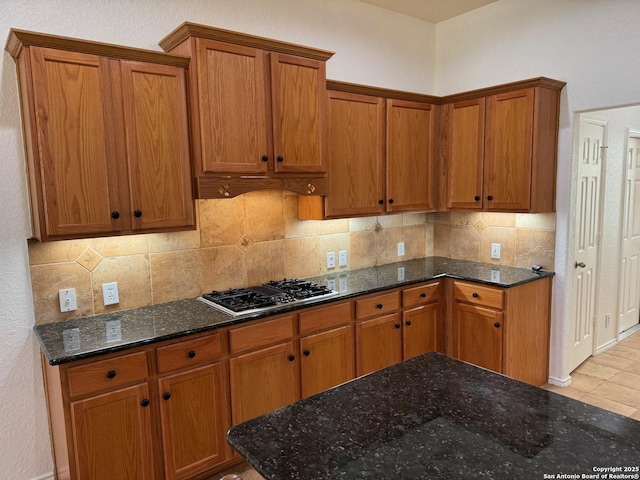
262,381
356,154
378,343
112,436
478,335
194,421
74,161
410,172
232,86
299,113
464,130
508,150
157,145
327,360
423,331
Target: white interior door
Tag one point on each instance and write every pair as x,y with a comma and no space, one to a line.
630,266
585,287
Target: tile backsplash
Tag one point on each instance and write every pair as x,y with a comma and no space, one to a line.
257,237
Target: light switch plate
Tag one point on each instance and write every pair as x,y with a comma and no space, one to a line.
67,299
401,249
342,258
495,251
331,259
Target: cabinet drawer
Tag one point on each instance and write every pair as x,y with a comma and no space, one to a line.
325,318
420,295
188,353
377,305
260,335
479,295
107,374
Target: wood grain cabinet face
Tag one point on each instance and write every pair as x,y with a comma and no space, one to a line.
107,141
423,321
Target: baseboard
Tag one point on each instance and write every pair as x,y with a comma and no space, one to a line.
558,382
606,346
629,332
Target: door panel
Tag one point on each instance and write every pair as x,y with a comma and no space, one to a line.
378,343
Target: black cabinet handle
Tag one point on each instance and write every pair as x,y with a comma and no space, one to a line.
474,295
115,215
496,324
280,158
490,197
166,395
397,325
265,158
391,200
381,202
292,358
408,323
191,354
476,198
423,295
145,402
379,306
137,213
306,353
111,374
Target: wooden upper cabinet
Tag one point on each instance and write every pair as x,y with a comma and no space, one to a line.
499,147
106,137
258,111
410,166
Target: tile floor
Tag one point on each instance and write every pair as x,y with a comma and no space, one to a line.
613,374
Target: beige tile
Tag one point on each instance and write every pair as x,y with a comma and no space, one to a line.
176,275
264,216
441,217
506,237
633,368
607,404
387,245
332,243
635,415
414,219
621,393
120,245
47,280
595,370
265,261
627,379
499,219
89,259
613,361
565,391
294,228
170,242
221,221
362,224
223,268
134,282
535,247
585,383
464,243
53,252
441,239
536,221
302,257
464,218
390,221
625,352
362,249
415,241
332,227
631,342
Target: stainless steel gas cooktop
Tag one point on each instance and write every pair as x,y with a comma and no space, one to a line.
270,295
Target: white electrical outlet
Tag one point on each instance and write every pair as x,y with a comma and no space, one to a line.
331,259
110,294
401,249
113,331
67,299
342,258
495,251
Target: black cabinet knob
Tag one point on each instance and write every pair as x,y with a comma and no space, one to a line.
166,395
191,354
379,306
115,215
137,213
381,202
408,323
265,158
292,358
490,197
474,295
306,353
280,158
145,402
423,295
111,374
496,324
391,200
397,325
476,198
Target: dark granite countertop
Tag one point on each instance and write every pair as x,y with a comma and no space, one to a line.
434,417
84,337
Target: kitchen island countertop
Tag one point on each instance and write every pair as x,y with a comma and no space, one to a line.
85,337
434,417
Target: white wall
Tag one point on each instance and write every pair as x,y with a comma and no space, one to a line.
372,46
590,44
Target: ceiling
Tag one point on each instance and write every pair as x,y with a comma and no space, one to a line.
433,11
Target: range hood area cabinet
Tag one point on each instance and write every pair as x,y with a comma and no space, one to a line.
258,111
381,153
499,147
106,137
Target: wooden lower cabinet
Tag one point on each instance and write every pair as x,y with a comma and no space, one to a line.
378,343
192,413
479,340
112,436
423,331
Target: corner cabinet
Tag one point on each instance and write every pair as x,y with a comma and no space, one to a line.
106,137
258,111
499,147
